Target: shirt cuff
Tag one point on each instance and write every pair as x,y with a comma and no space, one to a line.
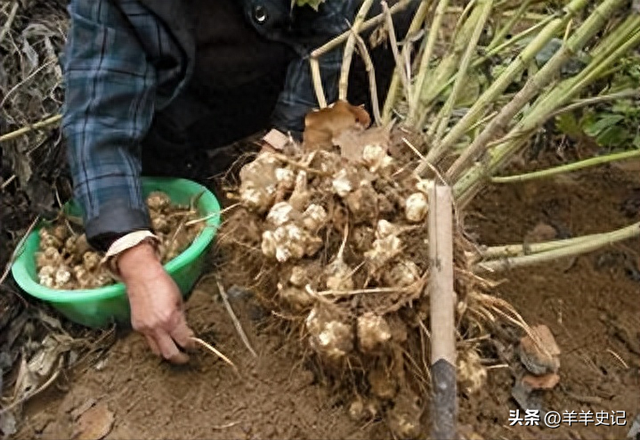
116,219
124,243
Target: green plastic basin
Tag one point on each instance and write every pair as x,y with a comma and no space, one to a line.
103,306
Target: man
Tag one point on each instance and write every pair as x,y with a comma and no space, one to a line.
157,76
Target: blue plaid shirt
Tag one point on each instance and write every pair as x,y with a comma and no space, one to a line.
121,64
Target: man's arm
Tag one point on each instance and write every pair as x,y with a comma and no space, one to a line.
111,87
108,109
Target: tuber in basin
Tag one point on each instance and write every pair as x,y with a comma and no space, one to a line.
105,305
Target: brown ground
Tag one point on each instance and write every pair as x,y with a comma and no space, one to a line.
590,303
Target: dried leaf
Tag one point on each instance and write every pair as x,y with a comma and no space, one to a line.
42,365
95,423
325,125
31,55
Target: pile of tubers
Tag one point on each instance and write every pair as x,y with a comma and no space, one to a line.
339,246
332,238
66,261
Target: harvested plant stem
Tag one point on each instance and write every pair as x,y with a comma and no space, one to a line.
580,245
24,130
371,73
236,322
469,183
504,31
489,54
415,105
502,82
414,28
317,82
625,155
348,49
534,85
484,9
215,351
337,41
596,100
400,70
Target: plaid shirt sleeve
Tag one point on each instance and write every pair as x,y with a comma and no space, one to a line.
111,86
298,96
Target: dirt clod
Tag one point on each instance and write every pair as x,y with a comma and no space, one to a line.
540,355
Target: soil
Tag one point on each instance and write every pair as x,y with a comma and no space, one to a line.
590,303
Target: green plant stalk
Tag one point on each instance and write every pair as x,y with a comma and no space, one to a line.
629,21
441,87
516,250
482,11
630,93
575,166
610,49
499,36
445,69
378,19
394,85
461,18
468,184
442,72
503,81
499,5
581,247
415,106
609,43
611,71
596,73
510,42
348,49
534,85
400,68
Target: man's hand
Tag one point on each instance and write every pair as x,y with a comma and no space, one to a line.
156,303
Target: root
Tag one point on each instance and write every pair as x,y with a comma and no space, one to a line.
215,351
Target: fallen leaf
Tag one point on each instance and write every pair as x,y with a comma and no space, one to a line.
544,382
324,125
95,423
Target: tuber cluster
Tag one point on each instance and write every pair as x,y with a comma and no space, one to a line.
333,240
65,261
